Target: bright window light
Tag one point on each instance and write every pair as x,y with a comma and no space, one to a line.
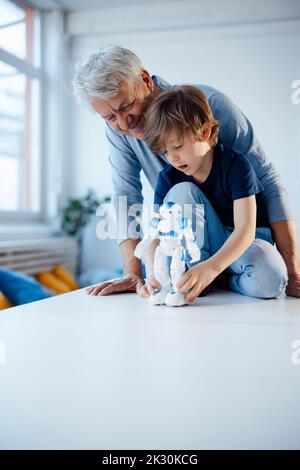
20,172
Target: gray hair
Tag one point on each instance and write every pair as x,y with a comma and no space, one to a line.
102,75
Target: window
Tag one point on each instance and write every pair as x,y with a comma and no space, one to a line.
20,85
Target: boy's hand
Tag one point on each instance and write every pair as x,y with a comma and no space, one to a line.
195,280
148,288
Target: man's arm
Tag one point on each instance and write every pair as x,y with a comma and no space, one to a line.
125,170
127,187
284,233
236,132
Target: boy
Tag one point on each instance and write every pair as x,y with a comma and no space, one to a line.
229,216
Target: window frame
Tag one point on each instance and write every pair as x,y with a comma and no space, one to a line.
25,67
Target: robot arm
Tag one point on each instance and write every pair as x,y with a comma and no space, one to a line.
191,244
142,247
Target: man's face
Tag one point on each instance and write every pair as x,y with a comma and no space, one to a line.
125,112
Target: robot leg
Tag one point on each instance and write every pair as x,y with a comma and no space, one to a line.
174,297
162,275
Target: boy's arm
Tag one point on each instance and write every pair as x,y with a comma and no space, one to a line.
197,278
241,238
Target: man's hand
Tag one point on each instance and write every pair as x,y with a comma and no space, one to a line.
284,233
293,287
195,280
148,288
127,283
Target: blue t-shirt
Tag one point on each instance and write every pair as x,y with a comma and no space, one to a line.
231,177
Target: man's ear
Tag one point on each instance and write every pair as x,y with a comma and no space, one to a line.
146,77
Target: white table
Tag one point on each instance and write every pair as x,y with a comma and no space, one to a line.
113,372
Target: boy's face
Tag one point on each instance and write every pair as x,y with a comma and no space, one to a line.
186,154
125,112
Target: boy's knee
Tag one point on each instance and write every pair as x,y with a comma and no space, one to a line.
184,193
272,284
266,270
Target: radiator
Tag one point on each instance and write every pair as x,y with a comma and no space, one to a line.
34,256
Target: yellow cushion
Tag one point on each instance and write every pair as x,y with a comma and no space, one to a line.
4,302
53,282
64,274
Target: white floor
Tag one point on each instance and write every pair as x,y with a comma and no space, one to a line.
115,373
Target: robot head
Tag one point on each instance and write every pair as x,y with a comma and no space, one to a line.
170,210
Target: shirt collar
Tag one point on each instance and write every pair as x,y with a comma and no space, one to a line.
161,83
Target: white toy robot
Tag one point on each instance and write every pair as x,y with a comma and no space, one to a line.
172,230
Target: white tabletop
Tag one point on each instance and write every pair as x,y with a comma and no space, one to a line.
81,372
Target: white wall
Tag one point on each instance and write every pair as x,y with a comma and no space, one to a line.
252,55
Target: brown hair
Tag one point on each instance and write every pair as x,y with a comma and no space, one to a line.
184,109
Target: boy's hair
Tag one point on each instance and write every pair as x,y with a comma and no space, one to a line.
184,109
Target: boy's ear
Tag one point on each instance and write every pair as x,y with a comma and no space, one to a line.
206,131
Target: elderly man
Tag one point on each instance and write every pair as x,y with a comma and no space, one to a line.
114,82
